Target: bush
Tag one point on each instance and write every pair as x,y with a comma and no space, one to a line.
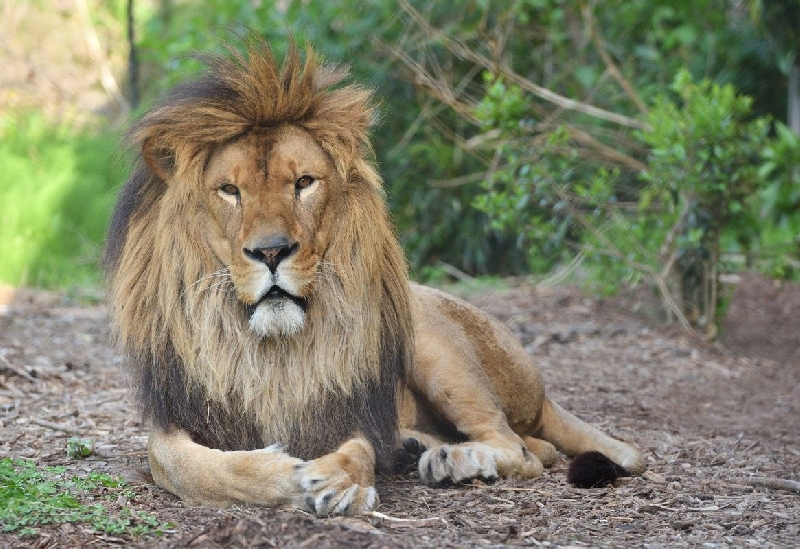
697,196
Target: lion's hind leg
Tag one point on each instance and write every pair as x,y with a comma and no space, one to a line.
595,452
542,449
497,456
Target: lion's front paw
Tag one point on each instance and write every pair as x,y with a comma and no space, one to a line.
457,463
329,490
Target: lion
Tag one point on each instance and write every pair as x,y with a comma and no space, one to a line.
278,350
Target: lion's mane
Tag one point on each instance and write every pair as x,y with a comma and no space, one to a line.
191,357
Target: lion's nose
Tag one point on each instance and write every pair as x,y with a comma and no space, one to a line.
272,251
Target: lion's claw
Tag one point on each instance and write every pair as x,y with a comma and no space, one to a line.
334,494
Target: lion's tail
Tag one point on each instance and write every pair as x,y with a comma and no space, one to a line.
599,458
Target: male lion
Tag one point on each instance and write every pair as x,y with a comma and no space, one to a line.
262,301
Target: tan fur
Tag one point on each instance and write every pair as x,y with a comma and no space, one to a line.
472,376
275,383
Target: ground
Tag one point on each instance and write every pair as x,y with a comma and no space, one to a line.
718,423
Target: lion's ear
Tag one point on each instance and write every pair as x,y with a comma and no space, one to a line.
159,157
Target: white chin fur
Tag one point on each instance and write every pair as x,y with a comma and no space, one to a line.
281,318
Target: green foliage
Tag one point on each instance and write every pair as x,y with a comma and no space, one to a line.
446,120
699,191
522,198
702,177
704,156
779,202
781,167
32,496
56,195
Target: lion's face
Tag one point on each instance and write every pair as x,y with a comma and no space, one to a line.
269,195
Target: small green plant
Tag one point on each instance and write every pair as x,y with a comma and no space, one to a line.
32,496
79,448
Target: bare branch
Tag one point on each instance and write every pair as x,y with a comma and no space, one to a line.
611,250
588,15
609,153
498,67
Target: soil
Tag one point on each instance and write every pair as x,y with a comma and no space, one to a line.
718,423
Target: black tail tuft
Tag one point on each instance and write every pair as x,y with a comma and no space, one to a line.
593,470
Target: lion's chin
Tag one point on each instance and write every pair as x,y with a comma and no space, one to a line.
277,315
277,318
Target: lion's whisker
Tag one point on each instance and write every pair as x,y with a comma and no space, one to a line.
224,272
221,283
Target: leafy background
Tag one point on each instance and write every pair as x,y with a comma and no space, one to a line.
485,172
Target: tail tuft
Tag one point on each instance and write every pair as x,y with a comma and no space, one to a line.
593,470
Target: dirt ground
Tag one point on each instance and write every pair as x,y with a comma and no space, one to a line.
718,423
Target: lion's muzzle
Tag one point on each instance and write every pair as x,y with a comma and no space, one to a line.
272,251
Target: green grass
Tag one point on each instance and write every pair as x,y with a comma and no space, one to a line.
57,189
32,497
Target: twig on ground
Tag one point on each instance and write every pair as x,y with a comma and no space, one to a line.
407,521
50,425
507,503
509,488
16,370
773,483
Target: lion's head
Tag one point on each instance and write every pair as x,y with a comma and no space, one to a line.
255,279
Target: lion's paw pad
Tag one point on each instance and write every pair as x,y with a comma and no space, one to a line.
407,456
456,463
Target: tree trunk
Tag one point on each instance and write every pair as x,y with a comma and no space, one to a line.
793,118
133,60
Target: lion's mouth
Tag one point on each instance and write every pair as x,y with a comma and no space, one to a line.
275,295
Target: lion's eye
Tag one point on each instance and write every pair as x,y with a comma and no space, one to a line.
230,194
303,183
231,190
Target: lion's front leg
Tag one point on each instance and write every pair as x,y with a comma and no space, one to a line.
341,482
336,483
204,476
